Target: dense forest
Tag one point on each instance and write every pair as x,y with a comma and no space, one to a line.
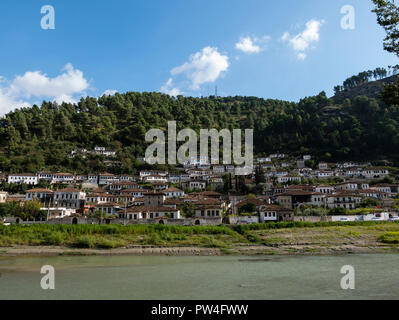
42,138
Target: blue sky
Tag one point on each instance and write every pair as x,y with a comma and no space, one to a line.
183,46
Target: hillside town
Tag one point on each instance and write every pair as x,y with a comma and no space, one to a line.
279,189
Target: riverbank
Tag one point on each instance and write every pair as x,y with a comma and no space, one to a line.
21,251
277,239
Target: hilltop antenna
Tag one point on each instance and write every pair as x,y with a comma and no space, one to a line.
216,91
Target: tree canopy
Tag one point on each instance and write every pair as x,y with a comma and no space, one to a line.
42,138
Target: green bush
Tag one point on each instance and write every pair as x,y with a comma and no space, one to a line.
314,212
54,239
85,242
110,244
389,237
337,212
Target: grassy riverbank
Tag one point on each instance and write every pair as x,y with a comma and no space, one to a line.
274,238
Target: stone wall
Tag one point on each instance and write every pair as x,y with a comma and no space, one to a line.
313,218
233,219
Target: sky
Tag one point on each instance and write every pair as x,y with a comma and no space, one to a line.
286,49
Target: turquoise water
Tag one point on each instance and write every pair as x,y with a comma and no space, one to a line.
227,277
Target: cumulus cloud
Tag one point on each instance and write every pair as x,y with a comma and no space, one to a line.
250,45
8,103
247,45
35,84
302,42
205,66
109,92
168,88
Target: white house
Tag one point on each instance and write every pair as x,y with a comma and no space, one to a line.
63,178
26,178
48,176
145,212
325,189
325,174
346,186
58,213
286,179
195,184
92,178
263,160
174,178
269,213
218,169
173,193
43,195
375,173
104,152
343,199
323,166
135,192
107,178
155,178
69,198
144,173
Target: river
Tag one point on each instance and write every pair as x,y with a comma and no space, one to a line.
201,278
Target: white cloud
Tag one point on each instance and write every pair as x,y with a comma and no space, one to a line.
8,103
203,67
35,84
285,36
168,88
109,92
301,56
251,45
301,42
247,45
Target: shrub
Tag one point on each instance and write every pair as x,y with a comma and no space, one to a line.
85,242
389,237
337,212
54,239
110,244
247,208
314,212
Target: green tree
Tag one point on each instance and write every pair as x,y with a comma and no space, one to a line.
259,175
388,17
247,208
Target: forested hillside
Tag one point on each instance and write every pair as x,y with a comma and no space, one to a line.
41,138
